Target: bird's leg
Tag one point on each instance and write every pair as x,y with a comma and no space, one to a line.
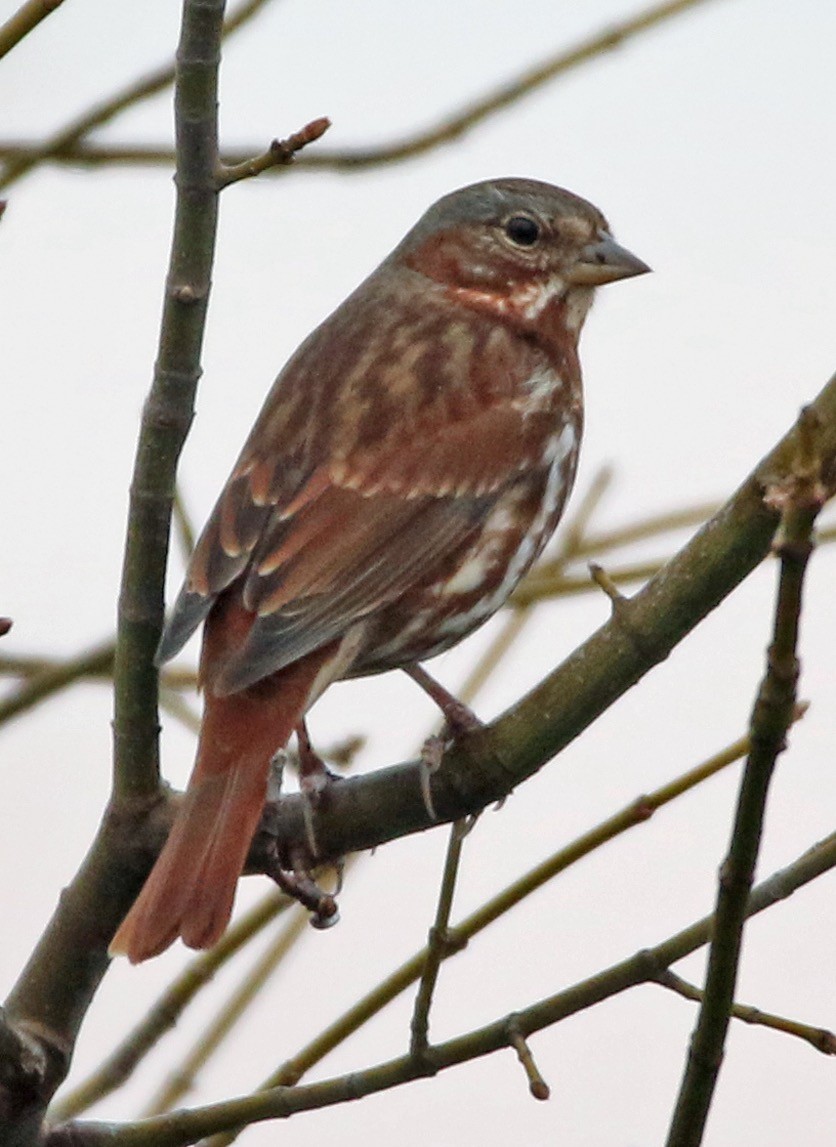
314,780
458,719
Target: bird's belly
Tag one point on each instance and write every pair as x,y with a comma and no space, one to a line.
480,577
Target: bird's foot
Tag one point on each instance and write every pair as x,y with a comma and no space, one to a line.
298,883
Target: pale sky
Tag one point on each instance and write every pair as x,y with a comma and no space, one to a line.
708,143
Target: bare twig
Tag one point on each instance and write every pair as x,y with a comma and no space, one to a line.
438,941
448,129
183,524
169,409
280,153
19,162
52,677
799,496
27,17
819,1038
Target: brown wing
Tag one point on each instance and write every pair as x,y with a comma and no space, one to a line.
361,475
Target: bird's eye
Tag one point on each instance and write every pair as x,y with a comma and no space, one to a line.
522,230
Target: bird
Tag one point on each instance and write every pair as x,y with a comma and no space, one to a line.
408,465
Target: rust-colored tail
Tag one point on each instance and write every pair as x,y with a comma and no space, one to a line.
191,888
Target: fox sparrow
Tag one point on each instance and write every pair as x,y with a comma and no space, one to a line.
409,464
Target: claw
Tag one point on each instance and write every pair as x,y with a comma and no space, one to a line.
298,883
432,754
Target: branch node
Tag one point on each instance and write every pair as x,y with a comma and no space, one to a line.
186,293
802,490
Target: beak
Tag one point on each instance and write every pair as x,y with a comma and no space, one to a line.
604,261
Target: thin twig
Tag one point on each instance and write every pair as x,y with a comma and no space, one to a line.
27,17
179,708
536,1084
800,496
280,153
183,524
418,143
438,941
819,1038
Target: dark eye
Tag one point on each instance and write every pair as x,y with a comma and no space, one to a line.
522,230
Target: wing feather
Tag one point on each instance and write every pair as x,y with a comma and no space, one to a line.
364,472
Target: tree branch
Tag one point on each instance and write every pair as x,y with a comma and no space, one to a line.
819,1038
151,83
800,496
53,993
27,17
181,1128
68,148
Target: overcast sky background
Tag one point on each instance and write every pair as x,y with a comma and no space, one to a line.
709,144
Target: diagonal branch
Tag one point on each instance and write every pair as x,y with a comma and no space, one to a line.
23,21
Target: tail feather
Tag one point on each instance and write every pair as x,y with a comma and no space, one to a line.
191,889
